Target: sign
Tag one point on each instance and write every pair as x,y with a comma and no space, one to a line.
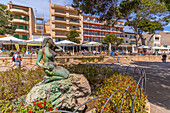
17,47
34,44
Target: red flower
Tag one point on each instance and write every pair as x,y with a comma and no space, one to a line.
34,103
11,111
56,108
50,109
19,103
44,102
39,105
30,111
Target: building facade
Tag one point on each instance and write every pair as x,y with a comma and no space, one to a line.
23,21
129,38
62,20
94,29
40,31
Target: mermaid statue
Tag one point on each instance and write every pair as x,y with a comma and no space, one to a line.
48,53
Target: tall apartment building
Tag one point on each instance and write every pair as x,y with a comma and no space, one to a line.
95,30
40,30
23,21
62,20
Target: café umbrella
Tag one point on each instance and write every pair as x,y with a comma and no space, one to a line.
66,43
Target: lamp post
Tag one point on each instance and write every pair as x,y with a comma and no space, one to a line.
137,42
11,44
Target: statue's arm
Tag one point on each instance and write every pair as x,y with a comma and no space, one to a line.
58,48
39,57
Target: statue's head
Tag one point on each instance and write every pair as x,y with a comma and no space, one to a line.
48,41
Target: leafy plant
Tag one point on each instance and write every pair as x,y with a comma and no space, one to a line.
114,83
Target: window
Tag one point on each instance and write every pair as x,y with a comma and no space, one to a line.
102,40
96,33
26,28
84,26
101,21
132,42
106,33
15,26
21,27
91,33
90,20
39,21
84,19
97,39
96,21
74,20
91,39
85,38
113,29
107,28
84,32
126,42
132,37
156,38
117,29
16,35
117,35
121,35
102,34
125,35
96,27
39,27
24,37
60,18
121,30
15,17
90,26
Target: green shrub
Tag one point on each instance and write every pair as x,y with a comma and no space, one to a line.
17,82
114,83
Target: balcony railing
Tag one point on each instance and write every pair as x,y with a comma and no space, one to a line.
19,11
20,21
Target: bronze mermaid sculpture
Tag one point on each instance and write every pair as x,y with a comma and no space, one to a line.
48,53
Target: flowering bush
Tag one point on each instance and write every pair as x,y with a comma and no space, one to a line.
36,107
114,83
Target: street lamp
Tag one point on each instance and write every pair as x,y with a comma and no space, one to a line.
11,44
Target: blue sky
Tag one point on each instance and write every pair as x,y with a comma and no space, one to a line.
42,7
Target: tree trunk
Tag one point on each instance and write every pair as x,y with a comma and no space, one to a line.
110,47
150,39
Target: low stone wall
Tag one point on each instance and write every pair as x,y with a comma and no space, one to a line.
7,61
140,58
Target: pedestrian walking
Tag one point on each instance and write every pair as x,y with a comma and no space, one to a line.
164,58
17,60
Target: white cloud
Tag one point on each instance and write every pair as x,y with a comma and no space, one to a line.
42,6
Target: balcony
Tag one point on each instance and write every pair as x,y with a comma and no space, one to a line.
60,29
20,21
21,30
21,11
74,16
60,36
59,21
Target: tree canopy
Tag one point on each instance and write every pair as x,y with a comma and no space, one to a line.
134,12
6,21
72,36
113,39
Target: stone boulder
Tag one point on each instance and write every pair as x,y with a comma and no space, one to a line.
68,93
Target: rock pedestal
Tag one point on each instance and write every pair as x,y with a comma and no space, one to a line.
68,93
